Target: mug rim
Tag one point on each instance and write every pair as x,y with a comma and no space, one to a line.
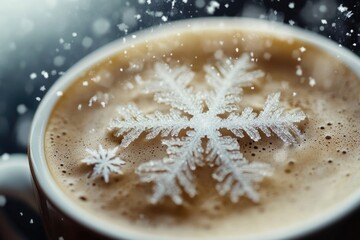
52,190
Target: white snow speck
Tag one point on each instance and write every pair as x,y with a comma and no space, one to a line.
38,99
164,18
21,109
87,42
123,27
59,61
79,107
200,3
31,221
5,157
21,214
61,41
74,34
342,8
299,71
349,14
42,88
2,200
67,46
85,83
324,21
291,22
33,76
22,129
101,26
61,238
213,5
302,49
130,17
323,8
291,5
312,82
45,74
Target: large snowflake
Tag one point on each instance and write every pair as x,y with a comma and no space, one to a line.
192,130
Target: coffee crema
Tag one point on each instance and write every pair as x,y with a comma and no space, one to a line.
309,178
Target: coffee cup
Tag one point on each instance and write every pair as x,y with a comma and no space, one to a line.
65,218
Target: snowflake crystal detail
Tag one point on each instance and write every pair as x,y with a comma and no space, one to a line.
105,162
192,133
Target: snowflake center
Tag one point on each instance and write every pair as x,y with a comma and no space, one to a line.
205,122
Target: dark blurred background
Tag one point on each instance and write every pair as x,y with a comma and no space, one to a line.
41,39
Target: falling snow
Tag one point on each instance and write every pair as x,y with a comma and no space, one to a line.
299,71
101,26
200,3
123,27
342,8
45,74
213,5
21,109
312,82
349,14
59,61
2,200
87,42
33,76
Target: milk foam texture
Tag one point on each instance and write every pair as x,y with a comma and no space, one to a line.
309,178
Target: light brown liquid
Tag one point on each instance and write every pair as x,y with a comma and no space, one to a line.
309,178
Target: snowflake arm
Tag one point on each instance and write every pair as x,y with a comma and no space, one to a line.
170,87
105,162
173,173
234,174
133,122
272,118
227,79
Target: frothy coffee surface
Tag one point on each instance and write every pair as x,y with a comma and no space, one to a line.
309,178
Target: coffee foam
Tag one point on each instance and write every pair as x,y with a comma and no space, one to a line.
309,178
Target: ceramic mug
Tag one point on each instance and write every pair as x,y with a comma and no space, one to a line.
64,219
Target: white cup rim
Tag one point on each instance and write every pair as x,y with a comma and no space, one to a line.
73,210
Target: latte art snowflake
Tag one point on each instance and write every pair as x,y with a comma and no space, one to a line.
105,162
200,118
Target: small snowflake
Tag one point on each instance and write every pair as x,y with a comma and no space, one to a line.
105,162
